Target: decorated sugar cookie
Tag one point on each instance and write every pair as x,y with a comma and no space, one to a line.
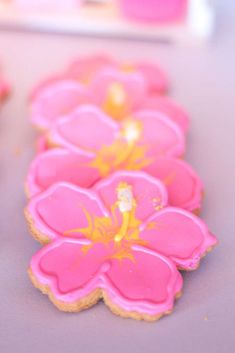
119,94
84,69
183,184
57,100
168,107
119,242
133,144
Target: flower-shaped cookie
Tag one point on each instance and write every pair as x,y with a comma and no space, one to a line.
80,71
132,144
84,69
168,107
119,242
57,100
119,94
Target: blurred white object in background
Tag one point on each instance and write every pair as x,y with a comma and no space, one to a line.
200,18
104,18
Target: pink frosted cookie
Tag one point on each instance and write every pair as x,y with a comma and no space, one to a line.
168,107
57,100
122,94
134,143
183,184
119,242
81,71
84,69
119,94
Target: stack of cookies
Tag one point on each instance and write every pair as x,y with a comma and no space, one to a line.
110,197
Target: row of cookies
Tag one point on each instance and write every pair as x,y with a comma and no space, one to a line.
110,197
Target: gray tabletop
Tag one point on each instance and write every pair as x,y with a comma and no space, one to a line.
203,81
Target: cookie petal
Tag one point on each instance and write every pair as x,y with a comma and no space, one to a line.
56,165
168,107
184,186
67,273
83,69
179,235
156,78
144,287
131,88
63,210
148,192
47,83
87,129
58,99
160,135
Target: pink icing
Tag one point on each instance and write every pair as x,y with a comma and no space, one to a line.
145,189
172,238
159,134
82,130
48,211
132,287
183,185
133,83
60,165
80,70
57,100
140,83
168,107
84,69
156,78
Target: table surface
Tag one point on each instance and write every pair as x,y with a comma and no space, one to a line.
203,319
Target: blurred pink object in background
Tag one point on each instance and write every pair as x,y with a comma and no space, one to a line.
154,10
4,89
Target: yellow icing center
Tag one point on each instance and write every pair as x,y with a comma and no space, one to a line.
124,153
124,233
116,101
128,68
126,204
